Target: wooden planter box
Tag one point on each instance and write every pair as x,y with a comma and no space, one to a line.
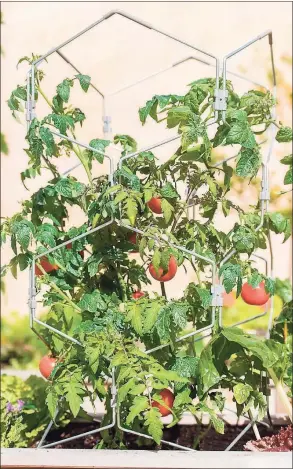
112,459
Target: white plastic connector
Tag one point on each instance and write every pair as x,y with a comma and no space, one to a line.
217,291
264,195
107,121
220,100
30,107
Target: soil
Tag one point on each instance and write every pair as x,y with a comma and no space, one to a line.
184,435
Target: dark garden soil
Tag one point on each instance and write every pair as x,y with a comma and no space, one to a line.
184,435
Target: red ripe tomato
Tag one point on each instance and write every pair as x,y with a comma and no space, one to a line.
46,365
155,204
168,398
229,299
46,266
137,294
133,240
81,253
254,296
172,269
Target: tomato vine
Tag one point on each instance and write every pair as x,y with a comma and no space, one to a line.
91,296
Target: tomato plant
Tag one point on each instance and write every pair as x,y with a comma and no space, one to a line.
91,298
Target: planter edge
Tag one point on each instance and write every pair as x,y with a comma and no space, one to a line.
15,458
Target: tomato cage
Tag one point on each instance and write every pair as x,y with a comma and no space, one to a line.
219,106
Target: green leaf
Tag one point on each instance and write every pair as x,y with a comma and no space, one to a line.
178,115
168,375
156,260
165,259
287,159
48,139
179,313
221,134
131,210
255,279
47,234
63,89
283,289
74,393
23,261
232,275
218,424
205,297
284,135
13,104
20,93
4,146
99,145
120,196
168,191
150,109
58,104
125,388
84,81
242,392
240,365
167,210
148,194
186,366
142,246
52,403
288,179
154,424
36,147
259,348
92,302
135,317
128,143
260,404
182,397
208,374
270,286
163,324
236,114
241,134
278,222
93,264
23,231
228,174
69,188
140,404
248,162
244,239
152,311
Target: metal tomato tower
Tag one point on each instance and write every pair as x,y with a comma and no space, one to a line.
220,106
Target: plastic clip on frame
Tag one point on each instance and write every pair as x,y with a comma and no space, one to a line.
219,107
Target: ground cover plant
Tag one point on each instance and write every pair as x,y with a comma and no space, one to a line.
95,287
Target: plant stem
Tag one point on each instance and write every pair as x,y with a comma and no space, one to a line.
281,392
122,285
163,290
201,436
44,96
